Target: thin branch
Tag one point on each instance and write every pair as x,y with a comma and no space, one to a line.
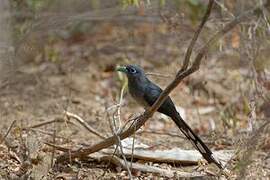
196,35
224,8
84,124
123,155
159,75
9,129
45,123
118,130
47,133
53,149
57,147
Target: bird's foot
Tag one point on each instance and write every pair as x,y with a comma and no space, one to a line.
203,167
202,163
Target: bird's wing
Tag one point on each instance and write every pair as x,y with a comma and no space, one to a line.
151,94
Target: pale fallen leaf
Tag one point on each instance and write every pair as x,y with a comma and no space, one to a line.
169,173
206,110
128,143
176,155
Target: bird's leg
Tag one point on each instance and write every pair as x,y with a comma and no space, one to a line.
201,165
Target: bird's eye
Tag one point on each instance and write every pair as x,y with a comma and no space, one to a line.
132,70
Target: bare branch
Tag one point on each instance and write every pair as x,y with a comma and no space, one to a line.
116,131
59,148
84,124
9,129
59,120
196,35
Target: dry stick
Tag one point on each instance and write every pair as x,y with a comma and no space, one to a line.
116,132
45,123
159,75
132,152
224,8
195,37
9,129
120,130
59,148
111,127
119,107
53,150
143,118
84,124
123,155
47,133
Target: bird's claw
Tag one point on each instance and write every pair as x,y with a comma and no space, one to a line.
202,163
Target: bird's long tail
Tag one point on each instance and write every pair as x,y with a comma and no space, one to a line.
195,140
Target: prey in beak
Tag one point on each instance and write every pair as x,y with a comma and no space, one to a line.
122,69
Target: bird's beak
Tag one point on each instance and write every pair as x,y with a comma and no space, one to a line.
122,69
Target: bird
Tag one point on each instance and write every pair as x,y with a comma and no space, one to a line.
145,93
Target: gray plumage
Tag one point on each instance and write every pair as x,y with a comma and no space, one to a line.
146,93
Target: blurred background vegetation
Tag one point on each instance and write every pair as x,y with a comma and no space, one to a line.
60,55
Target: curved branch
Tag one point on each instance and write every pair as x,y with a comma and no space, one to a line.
196,35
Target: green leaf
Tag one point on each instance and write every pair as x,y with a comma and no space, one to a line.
194,2
161,2
136,3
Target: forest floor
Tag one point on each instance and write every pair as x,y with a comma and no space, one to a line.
77,75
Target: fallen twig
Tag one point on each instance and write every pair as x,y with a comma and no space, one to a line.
84,124
118,130
57,147
58,120
48,133
53,150
9,129
176,155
